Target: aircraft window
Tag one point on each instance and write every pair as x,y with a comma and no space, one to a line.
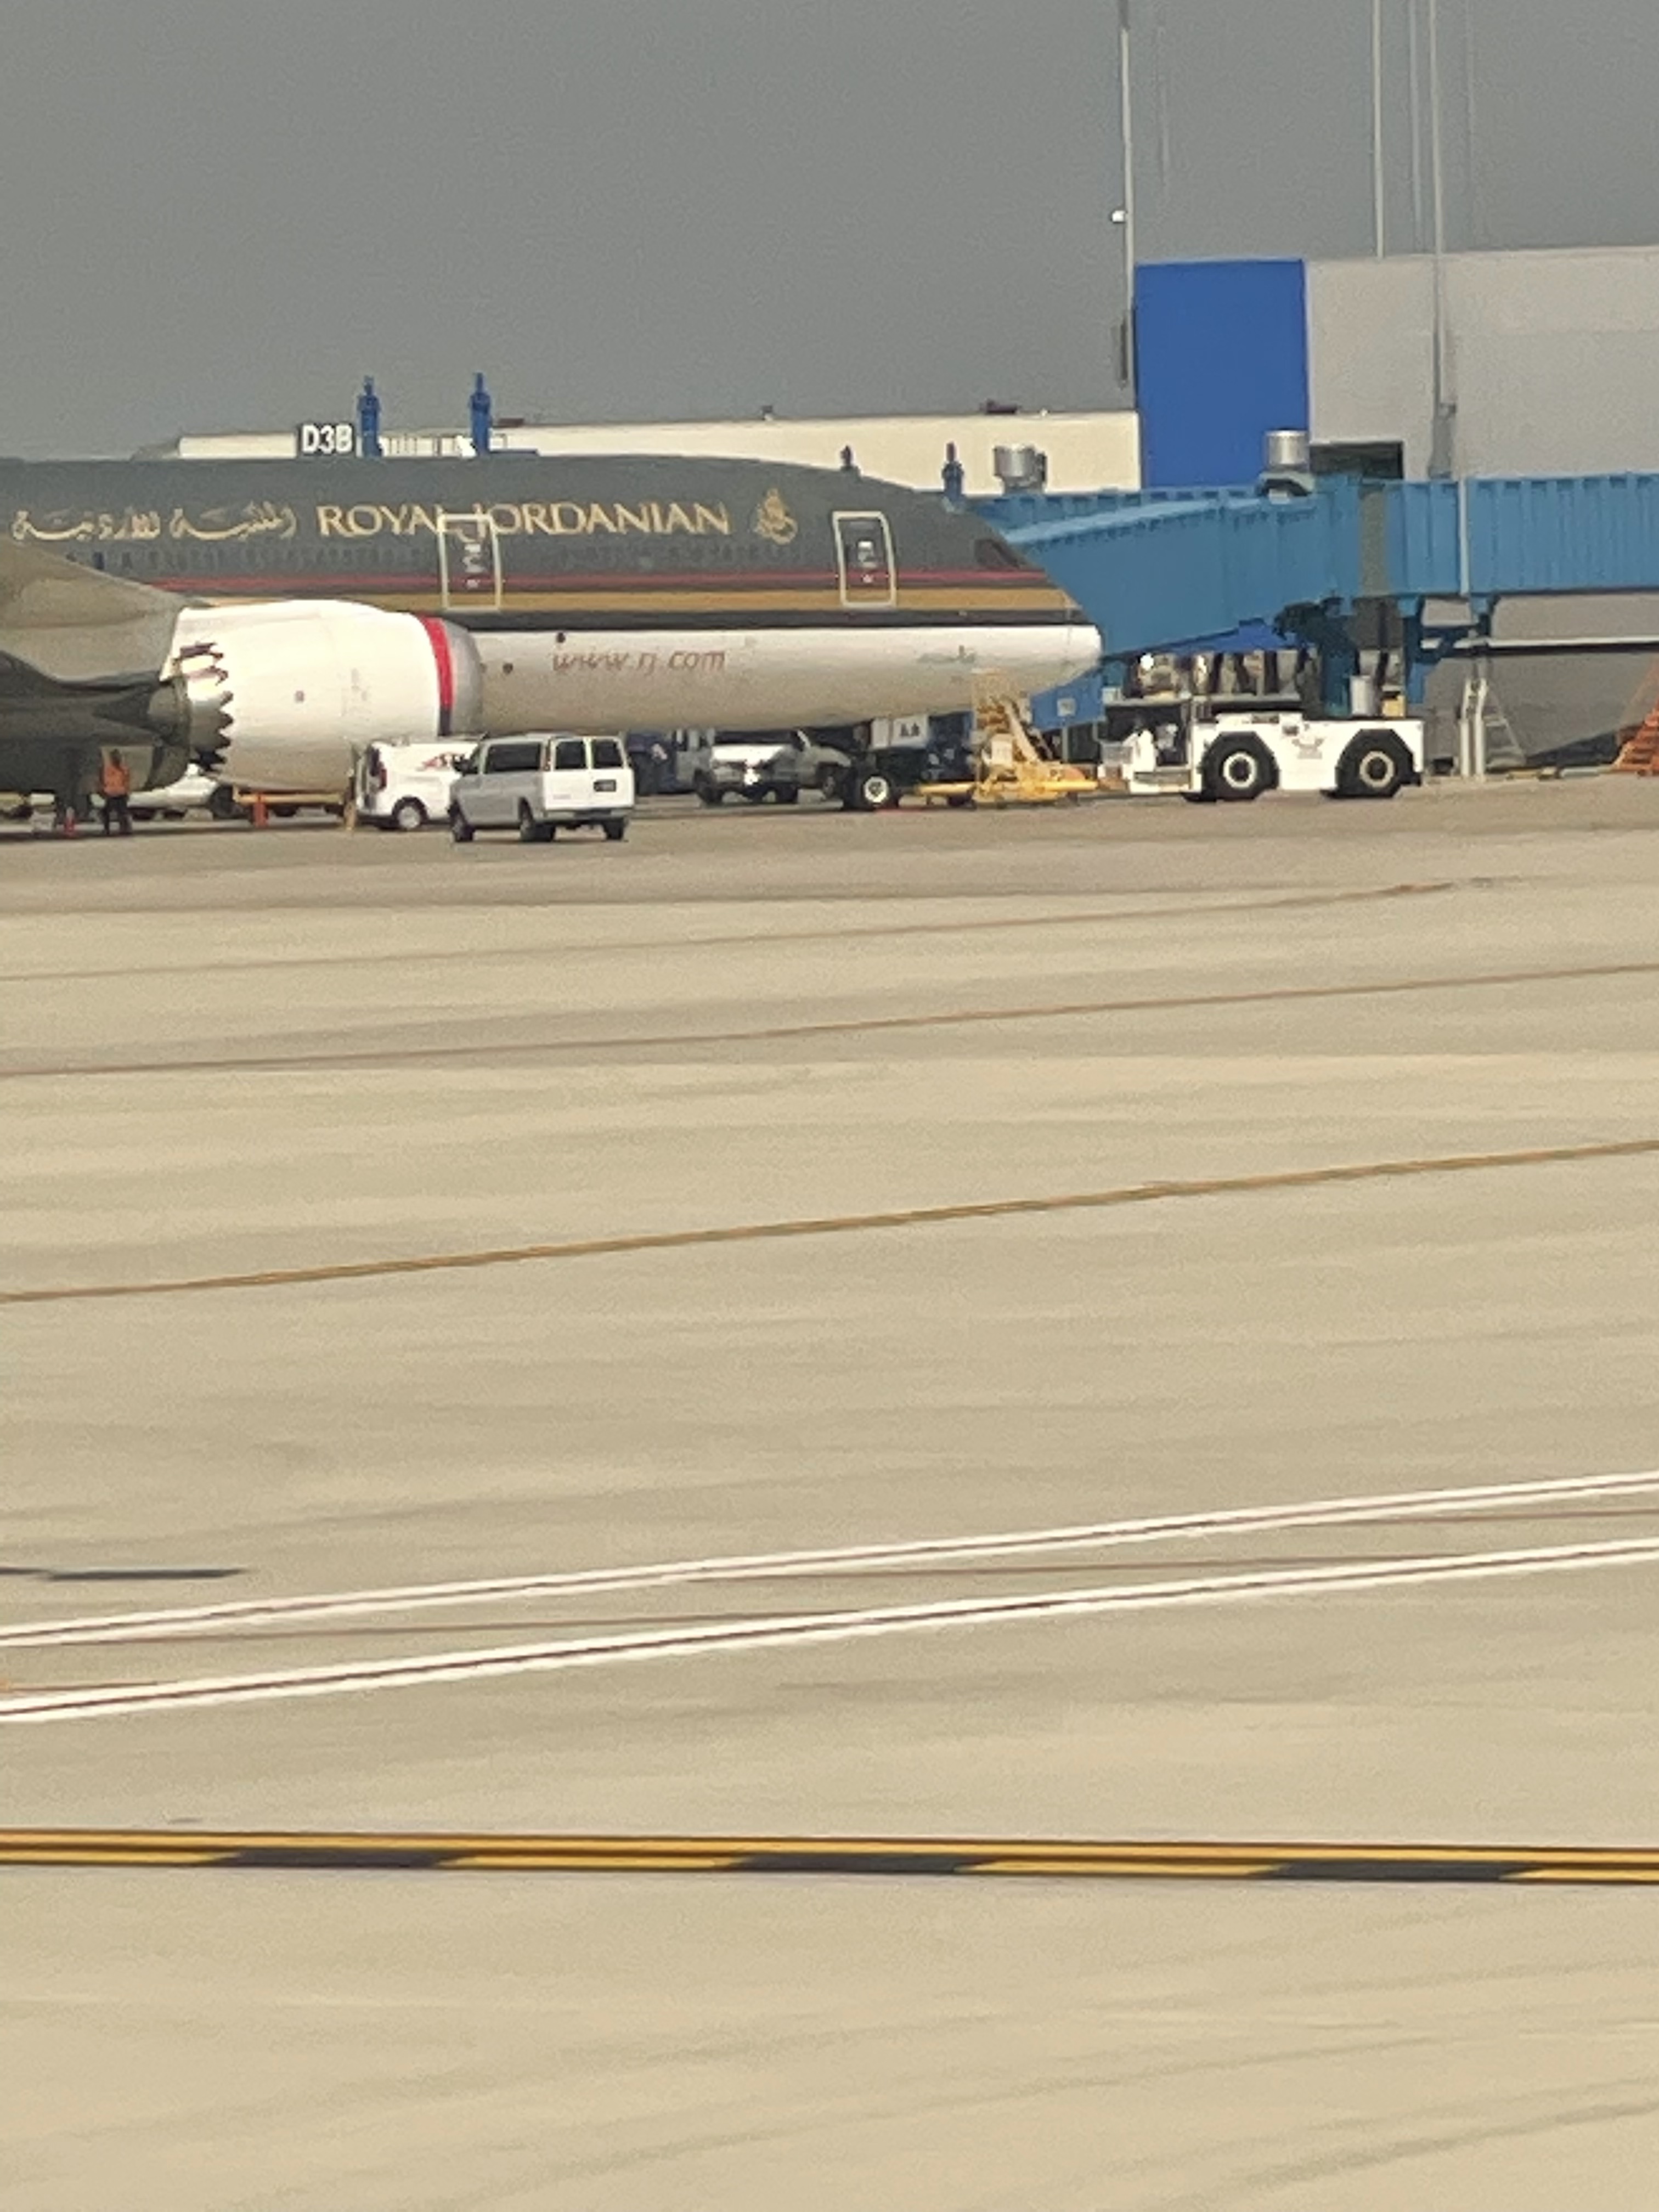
992,553
570,752
607,753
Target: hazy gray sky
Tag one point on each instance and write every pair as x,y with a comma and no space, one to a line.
221,212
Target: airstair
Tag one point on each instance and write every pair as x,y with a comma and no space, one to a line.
1013,766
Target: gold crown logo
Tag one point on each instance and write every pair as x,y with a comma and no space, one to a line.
774,521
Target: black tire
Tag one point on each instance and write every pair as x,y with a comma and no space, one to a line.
143,813
407,814
872,789
284,813
709,793
758,794
532,832
459,828
615,831
832,782
1238,769
788,794
222,804
960,798
1373,767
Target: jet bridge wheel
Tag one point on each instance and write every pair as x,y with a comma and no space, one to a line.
1373,767
1238,769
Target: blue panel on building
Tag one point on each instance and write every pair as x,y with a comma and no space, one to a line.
1221,351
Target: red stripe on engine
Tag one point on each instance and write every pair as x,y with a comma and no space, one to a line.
438,638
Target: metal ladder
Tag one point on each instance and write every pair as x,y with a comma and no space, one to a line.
1013,765
1486,743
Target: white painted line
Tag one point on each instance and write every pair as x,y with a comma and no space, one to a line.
842,1559
774,1631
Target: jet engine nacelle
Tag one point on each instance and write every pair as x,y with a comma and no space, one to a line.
285,696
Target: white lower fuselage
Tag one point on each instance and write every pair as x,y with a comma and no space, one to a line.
767,679
307,685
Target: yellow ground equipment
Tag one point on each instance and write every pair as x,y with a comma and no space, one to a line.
1012,765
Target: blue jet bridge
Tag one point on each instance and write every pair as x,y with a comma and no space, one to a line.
1234,568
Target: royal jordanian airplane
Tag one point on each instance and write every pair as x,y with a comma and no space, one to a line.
271,619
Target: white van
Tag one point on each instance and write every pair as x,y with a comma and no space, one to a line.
541,784
406,787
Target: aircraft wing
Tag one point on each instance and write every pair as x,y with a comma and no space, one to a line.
77,623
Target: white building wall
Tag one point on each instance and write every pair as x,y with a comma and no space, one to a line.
1371,337
1551,358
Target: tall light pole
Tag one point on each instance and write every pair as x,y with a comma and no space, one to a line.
1414,76
1125,215
1379,230
1437,164
1441,462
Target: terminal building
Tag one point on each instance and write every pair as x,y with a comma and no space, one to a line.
1484,365
1479,365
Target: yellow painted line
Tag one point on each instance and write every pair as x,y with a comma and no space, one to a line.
389,1056
591,1862
494,1842
67,1855
1165,1859
1568,1871
1403,1854
1055,919
845,1224
1183,1869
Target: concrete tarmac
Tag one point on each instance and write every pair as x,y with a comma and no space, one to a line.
226,1052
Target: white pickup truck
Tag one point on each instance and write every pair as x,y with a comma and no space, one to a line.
406,787
542,784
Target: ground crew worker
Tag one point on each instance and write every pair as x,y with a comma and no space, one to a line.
115,787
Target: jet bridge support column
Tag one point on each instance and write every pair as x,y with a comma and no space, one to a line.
1328,630
1427,646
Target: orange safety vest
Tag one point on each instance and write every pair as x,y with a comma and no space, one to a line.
117,780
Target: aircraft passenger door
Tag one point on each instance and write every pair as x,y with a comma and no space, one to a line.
864,561
469,561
